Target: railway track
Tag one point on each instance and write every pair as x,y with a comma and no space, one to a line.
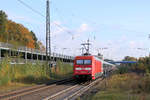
66,89
73,92
18,93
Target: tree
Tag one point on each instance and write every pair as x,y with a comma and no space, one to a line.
16,34
35,40
41,46
128,58
33,36
3,22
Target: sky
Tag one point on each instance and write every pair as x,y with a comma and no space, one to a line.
121,26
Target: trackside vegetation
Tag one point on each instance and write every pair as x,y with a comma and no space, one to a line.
128,86
31,74
129,82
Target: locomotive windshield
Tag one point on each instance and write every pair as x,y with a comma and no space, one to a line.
87,62
79,62
83,62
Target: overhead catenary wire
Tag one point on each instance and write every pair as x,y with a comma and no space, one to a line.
29,7
63,28
106,25
61,18
37,12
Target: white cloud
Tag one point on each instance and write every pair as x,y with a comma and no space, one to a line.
132,44
58,29
61,38
83,28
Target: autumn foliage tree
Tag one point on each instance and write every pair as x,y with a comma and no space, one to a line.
3,22
142,65
16,34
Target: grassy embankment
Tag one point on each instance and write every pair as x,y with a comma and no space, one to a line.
128,86
125,86
15,76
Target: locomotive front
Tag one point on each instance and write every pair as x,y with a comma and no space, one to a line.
83,67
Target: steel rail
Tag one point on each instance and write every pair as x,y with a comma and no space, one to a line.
22,92
81,90
52,97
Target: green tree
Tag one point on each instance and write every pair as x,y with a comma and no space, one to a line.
3,22
33,36
128,58
35,39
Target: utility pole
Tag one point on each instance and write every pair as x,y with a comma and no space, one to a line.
149,48
48,36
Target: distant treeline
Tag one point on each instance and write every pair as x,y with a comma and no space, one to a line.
16,34
142,65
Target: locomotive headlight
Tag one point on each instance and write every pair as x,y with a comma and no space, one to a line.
87,68
78,68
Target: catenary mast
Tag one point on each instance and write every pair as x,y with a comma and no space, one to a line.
48,35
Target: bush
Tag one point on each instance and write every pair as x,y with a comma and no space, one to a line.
122,70
61,70
5,72
32,73
127,82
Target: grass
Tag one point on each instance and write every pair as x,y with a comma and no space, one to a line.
119,95
129,86
61,70
13,86
30,74
130,81
110,95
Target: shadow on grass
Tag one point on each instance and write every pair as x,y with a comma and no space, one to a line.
41,80
32,80
57,76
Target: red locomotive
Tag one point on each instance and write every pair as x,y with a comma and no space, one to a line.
90,67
